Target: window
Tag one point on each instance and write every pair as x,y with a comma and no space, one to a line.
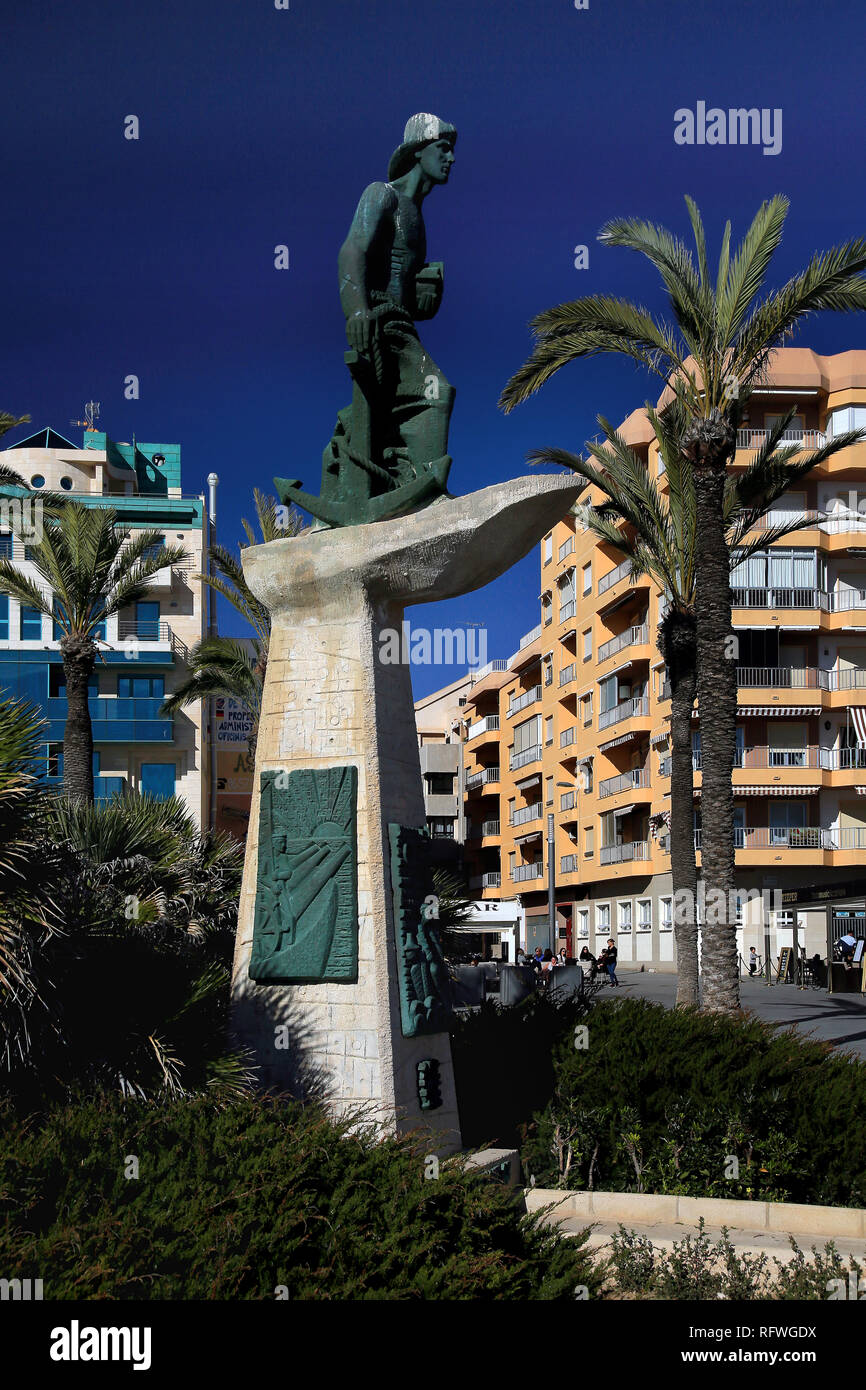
608,694
851,417
548,548
583,921
157,780
147,621
602,917
6,547
586,706
66,484
587,578
4,618
37,480
587,645
547,609
589,840
441,829
153,550
623,916
548,731
30,624
528,734
586,776
666,916
548,791
57,682
54,760
644,914
141,687
547,667
439,783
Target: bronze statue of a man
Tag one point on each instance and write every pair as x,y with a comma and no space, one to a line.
388,454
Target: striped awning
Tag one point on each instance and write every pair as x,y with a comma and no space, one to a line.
861,791
858,718
661,737
525,782
773,790
531,835
624,810
768,711
615,742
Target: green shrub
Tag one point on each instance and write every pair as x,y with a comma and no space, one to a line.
661,1100
233,1201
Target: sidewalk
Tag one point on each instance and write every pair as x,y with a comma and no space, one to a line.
839,1019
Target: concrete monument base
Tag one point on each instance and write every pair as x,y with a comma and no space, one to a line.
330,701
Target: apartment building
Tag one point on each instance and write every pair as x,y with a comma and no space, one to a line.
144,650
575,726
439,722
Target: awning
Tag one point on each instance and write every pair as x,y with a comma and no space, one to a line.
615,742
530,835
858,717
529,781
775,790
861,791
769,711
661,737
624,810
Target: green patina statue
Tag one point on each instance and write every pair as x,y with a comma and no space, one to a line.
388,453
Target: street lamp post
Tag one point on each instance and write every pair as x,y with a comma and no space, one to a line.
551,884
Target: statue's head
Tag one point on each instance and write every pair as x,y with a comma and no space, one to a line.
426,141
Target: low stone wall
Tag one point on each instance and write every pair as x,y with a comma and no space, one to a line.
648,1209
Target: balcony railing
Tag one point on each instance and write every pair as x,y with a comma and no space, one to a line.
567,674
607,581
530,636
627,709
781,598
523,701
568,864
621,854
144,630
566,548
499,664
490,827
807,439
116,720
784,677
526,755
627,781
489,724
478,779
567,610
633,636
808,757
758,837
492,879
522,814
521,872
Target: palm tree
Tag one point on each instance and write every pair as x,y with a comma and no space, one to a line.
660,541
225,665
710,357
92,569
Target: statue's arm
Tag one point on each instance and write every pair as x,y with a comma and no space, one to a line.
368,227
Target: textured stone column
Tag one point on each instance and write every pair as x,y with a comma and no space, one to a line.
329,701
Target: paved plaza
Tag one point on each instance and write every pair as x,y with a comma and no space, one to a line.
836,1018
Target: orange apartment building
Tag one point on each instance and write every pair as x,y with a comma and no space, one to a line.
575,725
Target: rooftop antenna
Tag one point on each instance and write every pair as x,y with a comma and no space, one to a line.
91,412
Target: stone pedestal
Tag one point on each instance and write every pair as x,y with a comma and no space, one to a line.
330,701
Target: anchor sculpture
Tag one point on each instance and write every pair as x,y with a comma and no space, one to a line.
388,453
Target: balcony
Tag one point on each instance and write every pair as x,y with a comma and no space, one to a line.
632,637
476,831
523,814
782,598
525,756
608,580
817,837
522,873
756,439
627,709
783,677
115,720
568,864
622,854
482,778
523,701
492,879
530,637
488,725
566,548
567,610
627,781
567,674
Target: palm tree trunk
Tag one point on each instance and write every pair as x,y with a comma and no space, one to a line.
79,658
677,645
707,445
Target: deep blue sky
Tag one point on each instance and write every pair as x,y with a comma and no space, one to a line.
261,126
